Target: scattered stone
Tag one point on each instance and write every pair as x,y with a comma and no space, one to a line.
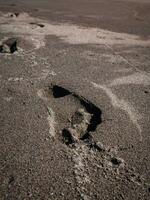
99,146
8,46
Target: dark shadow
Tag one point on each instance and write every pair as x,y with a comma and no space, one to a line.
94,111
59,92
67,137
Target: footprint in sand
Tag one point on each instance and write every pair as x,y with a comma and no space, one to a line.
76,116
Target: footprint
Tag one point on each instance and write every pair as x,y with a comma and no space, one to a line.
76,117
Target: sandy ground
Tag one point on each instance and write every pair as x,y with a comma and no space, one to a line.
75,99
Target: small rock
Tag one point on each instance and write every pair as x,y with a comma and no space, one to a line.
99,146
8,46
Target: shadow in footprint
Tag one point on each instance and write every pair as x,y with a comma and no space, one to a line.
59,91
